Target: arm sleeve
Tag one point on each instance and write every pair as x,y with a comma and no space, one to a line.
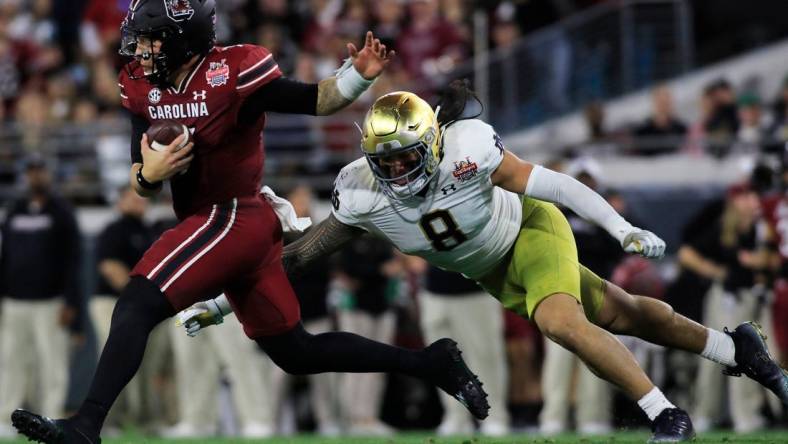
281,95
138,127
548,185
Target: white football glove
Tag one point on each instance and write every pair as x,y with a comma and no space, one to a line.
644,243
199,316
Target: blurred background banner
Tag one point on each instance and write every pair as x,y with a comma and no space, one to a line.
675,110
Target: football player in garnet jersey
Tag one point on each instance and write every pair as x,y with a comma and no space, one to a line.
442,186
229,238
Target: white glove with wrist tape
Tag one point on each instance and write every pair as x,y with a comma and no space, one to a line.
644,243
203,314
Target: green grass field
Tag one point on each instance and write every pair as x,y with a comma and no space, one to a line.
619,438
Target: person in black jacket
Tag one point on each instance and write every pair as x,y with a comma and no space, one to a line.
40,262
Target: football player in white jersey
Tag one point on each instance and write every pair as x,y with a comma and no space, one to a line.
441,186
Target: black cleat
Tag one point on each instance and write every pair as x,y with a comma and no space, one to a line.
672,425
41,429
459,381
753,359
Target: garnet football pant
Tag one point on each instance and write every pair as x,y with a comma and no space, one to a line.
235,248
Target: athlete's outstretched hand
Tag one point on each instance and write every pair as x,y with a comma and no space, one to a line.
372,58
199,316
644,243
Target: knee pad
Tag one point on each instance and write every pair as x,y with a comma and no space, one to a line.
141,302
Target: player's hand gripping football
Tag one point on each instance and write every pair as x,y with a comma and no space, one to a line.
372,59
163,164
199,316
644,243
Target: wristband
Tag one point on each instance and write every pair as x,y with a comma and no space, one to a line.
350,83
144,183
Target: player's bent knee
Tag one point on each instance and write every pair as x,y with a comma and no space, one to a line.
564,335
561,319
290,351
141,303
566,331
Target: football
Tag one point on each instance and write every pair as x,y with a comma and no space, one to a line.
162,132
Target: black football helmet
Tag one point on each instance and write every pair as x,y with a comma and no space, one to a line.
185,27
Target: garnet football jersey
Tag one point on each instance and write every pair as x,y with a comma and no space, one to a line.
228,153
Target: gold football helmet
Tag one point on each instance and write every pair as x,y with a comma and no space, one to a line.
400,139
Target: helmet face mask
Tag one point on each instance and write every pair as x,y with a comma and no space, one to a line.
149,47
169,33
400,140
402,172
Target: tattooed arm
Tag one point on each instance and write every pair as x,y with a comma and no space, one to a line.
329,99
323,239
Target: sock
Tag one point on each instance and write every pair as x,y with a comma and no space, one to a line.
654,402
719,348
298,352
140,308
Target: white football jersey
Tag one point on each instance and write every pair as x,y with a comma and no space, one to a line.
463,223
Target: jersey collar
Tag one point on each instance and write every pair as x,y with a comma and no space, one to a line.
187,80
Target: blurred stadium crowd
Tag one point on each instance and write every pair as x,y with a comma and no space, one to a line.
59,64
58,71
